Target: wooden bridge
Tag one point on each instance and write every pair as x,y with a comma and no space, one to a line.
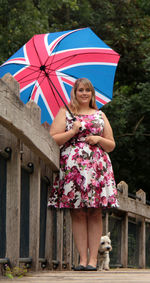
31,234
112,276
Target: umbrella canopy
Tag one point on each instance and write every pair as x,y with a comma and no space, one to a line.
48,65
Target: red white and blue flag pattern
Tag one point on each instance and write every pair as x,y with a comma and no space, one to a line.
49,64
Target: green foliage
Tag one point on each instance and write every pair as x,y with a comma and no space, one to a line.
130,116
19,22
145,6
124,26
15,272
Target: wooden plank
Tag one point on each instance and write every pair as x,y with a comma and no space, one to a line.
142,244
75,255
132,206
105,224
13,203
24,213
124,241
113,276
3,188
60,237
49,220
35,180
68,240
135,206
49,238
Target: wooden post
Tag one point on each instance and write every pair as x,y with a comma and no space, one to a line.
75,255
141,197
142,245
123,192
12,83
105,224
124,241
60,237
49,227
13,204
35,180
49,238
68,240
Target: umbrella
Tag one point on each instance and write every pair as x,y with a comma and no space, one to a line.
47,66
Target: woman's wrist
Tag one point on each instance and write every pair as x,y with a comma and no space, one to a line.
71,133
99,140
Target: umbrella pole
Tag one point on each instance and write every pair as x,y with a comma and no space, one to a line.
61,98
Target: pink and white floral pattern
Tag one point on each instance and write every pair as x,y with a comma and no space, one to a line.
86,176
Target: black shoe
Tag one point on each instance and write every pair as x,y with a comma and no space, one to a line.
90,268
80,268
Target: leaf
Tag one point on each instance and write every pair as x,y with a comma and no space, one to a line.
9,275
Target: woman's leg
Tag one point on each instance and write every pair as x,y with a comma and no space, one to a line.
94,221
79,228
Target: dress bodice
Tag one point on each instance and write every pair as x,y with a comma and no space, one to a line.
92,124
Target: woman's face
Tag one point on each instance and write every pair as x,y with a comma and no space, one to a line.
83,94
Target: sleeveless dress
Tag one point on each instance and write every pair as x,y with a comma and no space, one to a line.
86,176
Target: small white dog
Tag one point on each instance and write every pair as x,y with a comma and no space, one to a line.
103,252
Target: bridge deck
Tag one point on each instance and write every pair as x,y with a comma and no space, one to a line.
112,276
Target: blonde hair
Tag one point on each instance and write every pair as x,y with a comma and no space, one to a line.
74,105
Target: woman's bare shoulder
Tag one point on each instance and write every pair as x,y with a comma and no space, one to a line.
59,123
62,111
103,114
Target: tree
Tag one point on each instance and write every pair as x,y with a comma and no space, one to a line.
124,26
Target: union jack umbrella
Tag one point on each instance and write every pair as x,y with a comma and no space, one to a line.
47,66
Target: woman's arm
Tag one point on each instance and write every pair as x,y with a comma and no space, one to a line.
107,141
58,127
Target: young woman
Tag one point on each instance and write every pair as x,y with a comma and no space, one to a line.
86,182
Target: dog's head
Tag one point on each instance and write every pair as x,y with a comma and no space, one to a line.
105,243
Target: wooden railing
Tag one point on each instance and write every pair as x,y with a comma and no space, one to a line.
31,233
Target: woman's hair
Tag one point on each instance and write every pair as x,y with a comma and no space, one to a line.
74,105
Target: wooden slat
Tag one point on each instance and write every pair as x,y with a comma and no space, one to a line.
113,276
24,213
13,204
60,237
35,180
124,241
3,179
68,240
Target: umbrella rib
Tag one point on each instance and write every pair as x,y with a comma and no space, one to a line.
51,84
68,75
37,87
68,58
34,71
21,79
37,52
56,47
49,81
55,54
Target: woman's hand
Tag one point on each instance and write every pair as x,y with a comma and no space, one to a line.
93,139
76,127
58,128
106,141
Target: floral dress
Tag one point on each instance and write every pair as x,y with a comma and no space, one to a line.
86,176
